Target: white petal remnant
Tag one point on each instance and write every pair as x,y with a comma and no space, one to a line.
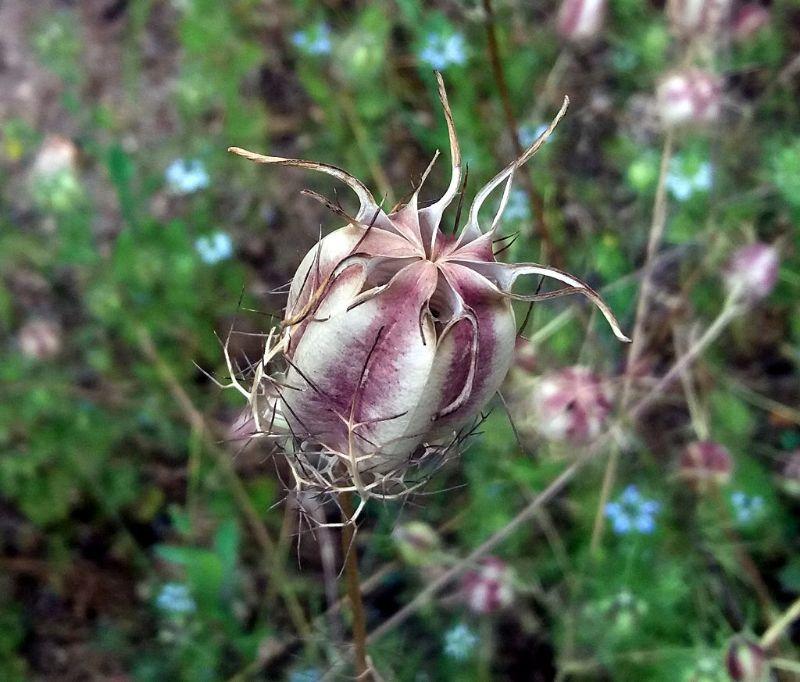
396,335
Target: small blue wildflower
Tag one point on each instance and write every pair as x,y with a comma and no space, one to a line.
529,133
174,598
214,248
313,41
442,50
518,207
305,675
185,177
683,183
459,641
632,513
747,508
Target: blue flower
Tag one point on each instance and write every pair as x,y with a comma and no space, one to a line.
305,675
747,508
459,641
174,598
313,41
185,177
529,133
683,183
214,248
633,513
442,50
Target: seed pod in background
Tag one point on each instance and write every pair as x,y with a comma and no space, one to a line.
705,464
749,20
418,543
581,21
690,96
693,18
571,405
396,334
489,587
746,661
789,478
39,339
752,272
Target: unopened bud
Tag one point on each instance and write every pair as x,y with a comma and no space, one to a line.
749,20
417,543
39,339
704,464
488,588
691,96
752,271
580,21
689,18
571,405
746,661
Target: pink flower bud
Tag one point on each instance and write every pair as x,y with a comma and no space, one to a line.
488,588
746,661
749,20
571,405
752,271
581,20
697,17
396,334
691,96
704,464
39,339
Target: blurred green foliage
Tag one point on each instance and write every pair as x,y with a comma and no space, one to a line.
106,473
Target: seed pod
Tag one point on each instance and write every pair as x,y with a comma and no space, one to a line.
752,271
581,21
488,588
691,18
396,334
39,339
417,543
571,405
746,661
691,96
705,464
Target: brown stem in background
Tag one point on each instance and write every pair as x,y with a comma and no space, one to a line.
354,587
535,199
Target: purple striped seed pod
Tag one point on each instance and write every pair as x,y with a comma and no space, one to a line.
705,464
690,96
692,18
580,21
746,661
489,587
396,335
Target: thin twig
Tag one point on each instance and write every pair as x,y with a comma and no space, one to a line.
239,492
657,224
781,625
534,198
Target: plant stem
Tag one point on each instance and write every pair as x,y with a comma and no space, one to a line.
779,626
657,224
354,587
534,198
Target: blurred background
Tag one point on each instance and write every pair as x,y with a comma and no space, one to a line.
145,536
